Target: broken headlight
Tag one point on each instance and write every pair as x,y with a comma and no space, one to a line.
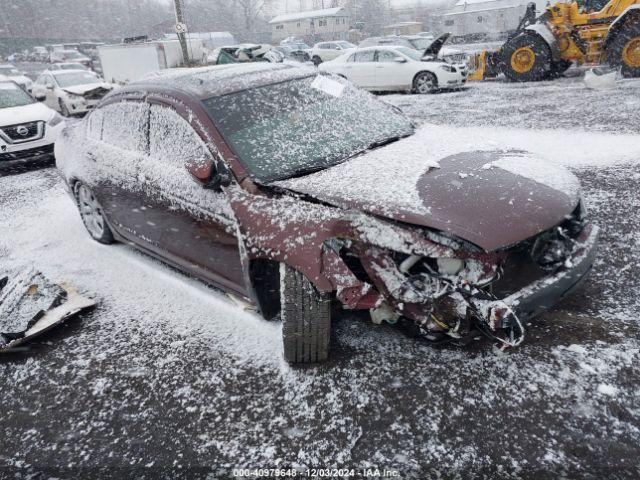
552,249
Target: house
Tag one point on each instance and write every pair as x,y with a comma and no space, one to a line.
486,19
313,26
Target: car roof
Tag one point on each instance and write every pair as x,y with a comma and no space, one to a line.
207,82
62,72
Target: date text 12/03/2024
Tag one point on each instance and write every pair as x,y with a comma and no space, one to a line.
316,473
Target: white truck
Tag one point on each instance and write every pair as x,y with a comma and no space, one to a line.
127,62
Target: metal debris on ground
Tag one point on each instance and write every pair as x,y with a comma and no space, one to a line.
31,305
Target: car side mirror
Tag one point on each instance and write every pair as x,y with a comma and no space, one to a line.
41,98
218,180
338,48
400,60
49,87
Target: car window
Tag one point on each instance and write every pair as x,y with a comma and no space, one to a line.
125,125
366,56
386,56
94,124
173,141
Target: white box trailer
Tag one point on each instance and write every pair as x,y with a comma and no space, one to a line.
127,62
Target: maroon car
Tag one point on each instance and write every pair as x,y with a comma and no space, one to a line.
297,191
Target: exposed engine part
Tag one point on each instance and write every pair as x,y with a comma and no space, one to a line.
494,318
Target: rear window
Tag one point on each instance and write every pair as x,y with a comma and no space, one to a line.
13,96
125,125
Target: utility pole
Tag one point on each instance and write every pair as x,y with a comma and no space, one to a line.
181,29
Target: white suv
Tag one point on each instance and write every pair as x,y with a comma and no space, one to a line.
325,51
28,129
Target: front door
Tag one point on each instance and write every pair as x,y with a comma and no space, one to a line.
193,227
391,74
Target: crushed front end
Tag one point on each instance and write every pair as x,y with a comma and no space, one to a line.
451,289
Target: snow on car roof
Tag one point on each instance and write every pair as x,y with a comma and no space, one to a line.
206,82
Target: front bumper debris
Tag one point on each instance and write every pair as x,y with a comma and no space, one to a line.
458,308
31,305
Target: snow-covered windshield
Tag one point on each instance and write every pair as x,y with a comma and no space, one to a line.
297,46
71,55
72,79
346,45
72,66
9,71
421,43
13,96
296,127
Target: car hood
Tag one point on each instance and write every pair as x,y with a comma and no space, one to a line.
493,199
27,113
21,79
89,88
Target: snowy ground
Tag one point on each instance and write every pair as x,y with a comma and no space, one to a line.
169,379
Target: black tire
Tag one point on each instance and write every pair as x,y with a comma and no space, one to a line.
316,60
92,214
306,318
559,67
425,82
617,55
64,111
540,66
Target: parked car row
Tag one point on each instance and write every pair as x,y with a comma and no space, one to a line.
11,72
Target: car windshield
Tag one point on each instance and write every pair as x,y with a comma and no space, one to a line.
13,96
297,127
9,71
421,43
298,46
76,78
346,45
410,52
72,66
72,55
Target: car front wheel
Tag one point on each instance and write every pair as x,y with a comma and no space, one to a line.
306,318
92,214
316,60
425,82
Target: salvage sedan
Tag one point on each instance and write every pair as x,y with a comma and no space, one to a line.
71,92
397,69
297,191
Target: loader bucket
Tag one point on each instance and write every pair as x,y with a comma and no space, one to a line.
484,65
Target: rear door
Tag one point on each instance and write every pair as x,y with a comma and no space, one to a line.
362,71
117,142
193,227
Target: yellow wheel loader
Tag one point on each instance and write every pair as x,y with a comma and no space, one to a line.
586,32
